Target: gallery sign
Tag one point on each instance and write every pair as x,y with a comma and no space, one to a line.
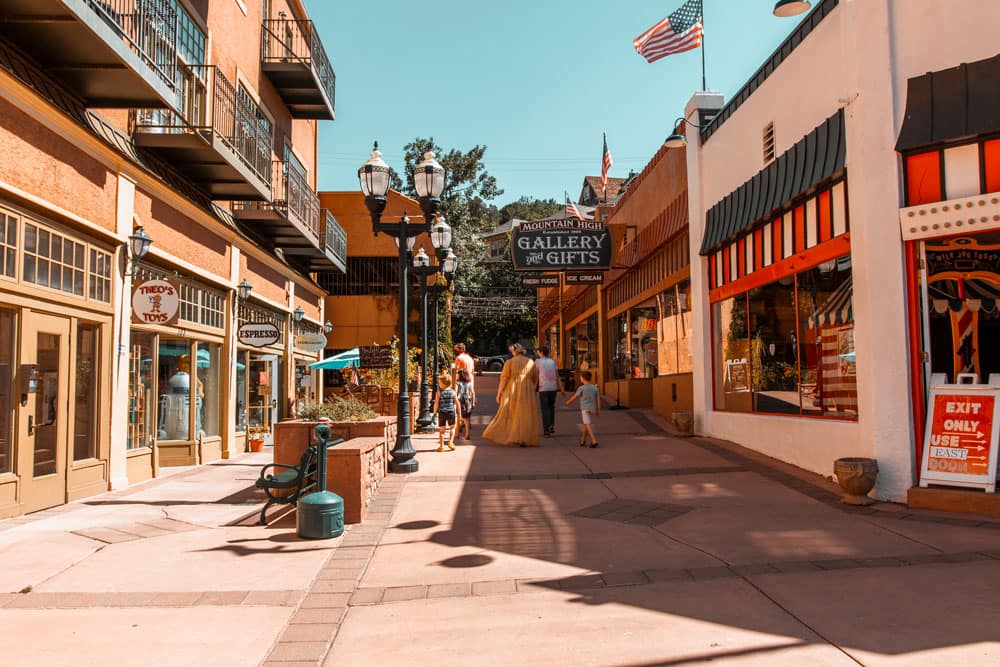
590,278
960,444
311,342
258,334
156,302
540,281
561,245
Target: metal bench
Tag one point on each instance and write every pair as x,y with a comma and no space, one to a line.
295,480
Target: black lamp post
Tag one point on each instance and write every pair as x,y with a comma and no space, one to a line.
441,240
428,179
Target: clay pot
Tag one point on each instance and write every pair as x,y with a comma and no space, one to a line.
684,421
256,444
856,477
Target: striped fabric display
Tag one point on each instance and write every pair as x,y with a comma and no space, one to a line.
821,218
679,32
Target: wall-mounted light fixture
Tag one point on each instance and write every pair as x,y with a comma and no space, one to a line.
138,244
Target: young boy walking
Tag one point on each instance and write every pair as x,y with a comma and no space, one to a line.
590,406
444,406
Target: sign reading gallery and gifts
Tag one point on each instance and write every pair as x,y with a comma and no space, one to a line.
561,245
156,302
258,334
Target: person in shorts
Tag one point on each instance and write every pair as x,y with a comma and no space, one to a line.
590,406
445,405
465,392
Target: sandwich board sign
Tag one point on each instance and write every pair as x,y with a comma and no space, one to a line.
960,441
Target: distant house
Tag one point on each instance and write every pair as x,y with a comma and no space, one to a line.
590,194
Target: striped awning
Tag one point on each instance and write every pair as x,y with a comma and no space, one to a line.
838,309
979,295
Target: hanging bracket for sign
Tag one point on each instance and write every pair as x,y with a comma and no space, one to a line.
960,441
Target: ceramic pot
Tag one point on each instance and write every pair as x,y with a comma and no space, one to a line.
684,421
856,477
256,444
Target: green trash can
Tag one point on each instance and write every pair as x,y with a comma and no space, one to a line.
320,514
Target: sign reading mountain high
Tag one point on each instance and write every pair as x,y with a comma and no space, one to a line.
561,245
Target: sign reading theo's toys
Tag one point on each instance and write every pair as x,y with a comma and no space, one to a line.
561,245
155,302
258,334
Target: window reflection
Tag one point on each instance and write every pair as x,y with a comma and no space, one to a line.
732,355
774,349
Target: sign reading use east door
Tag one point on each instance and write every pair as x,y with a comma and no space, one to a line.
961,441
561,245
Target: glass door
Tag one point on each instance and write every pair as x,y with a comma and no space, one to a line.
44,407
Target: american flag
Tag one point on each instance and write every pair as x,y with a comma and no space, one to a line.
572,210
605,166
679,32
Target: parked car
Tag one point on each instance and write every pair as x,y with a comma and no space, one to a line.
493,364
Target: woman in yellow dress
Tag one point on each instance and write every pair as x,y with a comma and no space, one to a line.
518,420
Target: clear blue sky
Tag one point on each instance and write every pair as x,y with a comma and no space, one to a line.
537,81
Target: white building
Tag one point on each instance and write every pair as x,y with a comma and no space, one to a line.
821,331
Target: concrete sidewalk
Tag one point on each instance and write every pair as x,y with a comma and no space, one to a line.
649,550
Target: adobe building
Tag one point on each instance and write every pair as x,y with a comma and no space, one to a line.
845,213
198,124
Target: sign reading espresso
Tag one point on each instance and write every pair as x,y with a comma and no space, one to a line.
258,334
540,281
156,302
593,278
561,245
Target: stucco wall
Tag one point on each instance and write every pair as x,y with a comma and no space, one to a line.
177,234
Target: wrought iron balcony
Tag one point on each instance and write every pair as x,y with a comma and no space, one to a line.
336,241
293,58
291,220
219,138
112,53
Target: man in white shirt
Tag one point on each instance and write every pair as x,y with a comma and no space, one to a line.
548,385
464,360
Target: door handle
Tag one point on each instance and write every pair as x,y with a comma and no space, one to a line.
31,424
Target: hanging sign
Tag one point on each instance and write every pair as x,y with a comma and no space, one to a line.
960,444
540,281
375,356
155,302
311,342
561,245
258,334
593,278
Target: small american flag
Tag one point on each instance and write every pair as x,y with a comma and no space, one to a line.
605,167
679,32
572,210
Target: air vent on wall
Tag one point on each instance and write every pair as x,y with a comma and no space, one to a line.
768,142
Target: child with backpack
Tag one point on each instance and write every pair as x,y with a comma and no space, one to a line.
466,394
445,406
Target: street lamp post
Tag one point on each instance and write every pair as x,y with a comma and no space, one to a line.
441,240
428,179
449,263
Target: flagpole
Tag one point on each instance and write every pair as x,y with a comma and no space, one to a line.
704,85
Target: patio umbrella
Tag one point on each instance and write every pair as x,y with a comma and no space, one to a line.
339,361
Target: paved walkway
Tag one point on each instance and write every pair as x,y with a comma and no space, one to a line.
649,550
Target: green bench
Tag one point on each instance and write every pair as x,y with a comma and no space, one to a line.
295,481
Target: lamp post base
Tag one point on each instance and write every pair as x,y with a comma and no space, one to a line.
403,465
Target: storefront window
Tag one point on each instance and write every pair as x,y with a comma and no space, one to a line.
618,339
7,375
241,391
773,347
643,325
263,383
552,341
209,391
141,407
174,390
303,385
789,345
732,355
826,344
583,345
88,341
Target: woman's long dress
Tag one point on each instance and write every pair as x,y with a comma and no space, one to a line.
518,419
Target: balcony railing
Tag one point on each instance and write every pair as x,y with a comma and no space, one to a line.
296,199
213,109
114,53
336,240
291,48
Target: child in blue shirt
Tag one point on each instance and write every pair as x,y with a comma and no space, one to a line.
590,406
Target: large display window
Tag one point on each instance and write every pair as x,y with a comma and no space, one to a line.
787,347
583,340
675,329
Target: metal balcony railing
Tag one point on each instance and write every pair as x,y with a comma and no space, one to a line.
211,106
336,239
291,40
295,198
149,27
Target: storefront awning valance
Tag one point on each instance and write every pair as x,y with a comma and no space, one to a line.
817,158
339,361
951,104
837,310
979,295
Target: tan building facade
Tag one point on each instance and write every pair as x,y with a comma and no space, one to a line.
198,125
